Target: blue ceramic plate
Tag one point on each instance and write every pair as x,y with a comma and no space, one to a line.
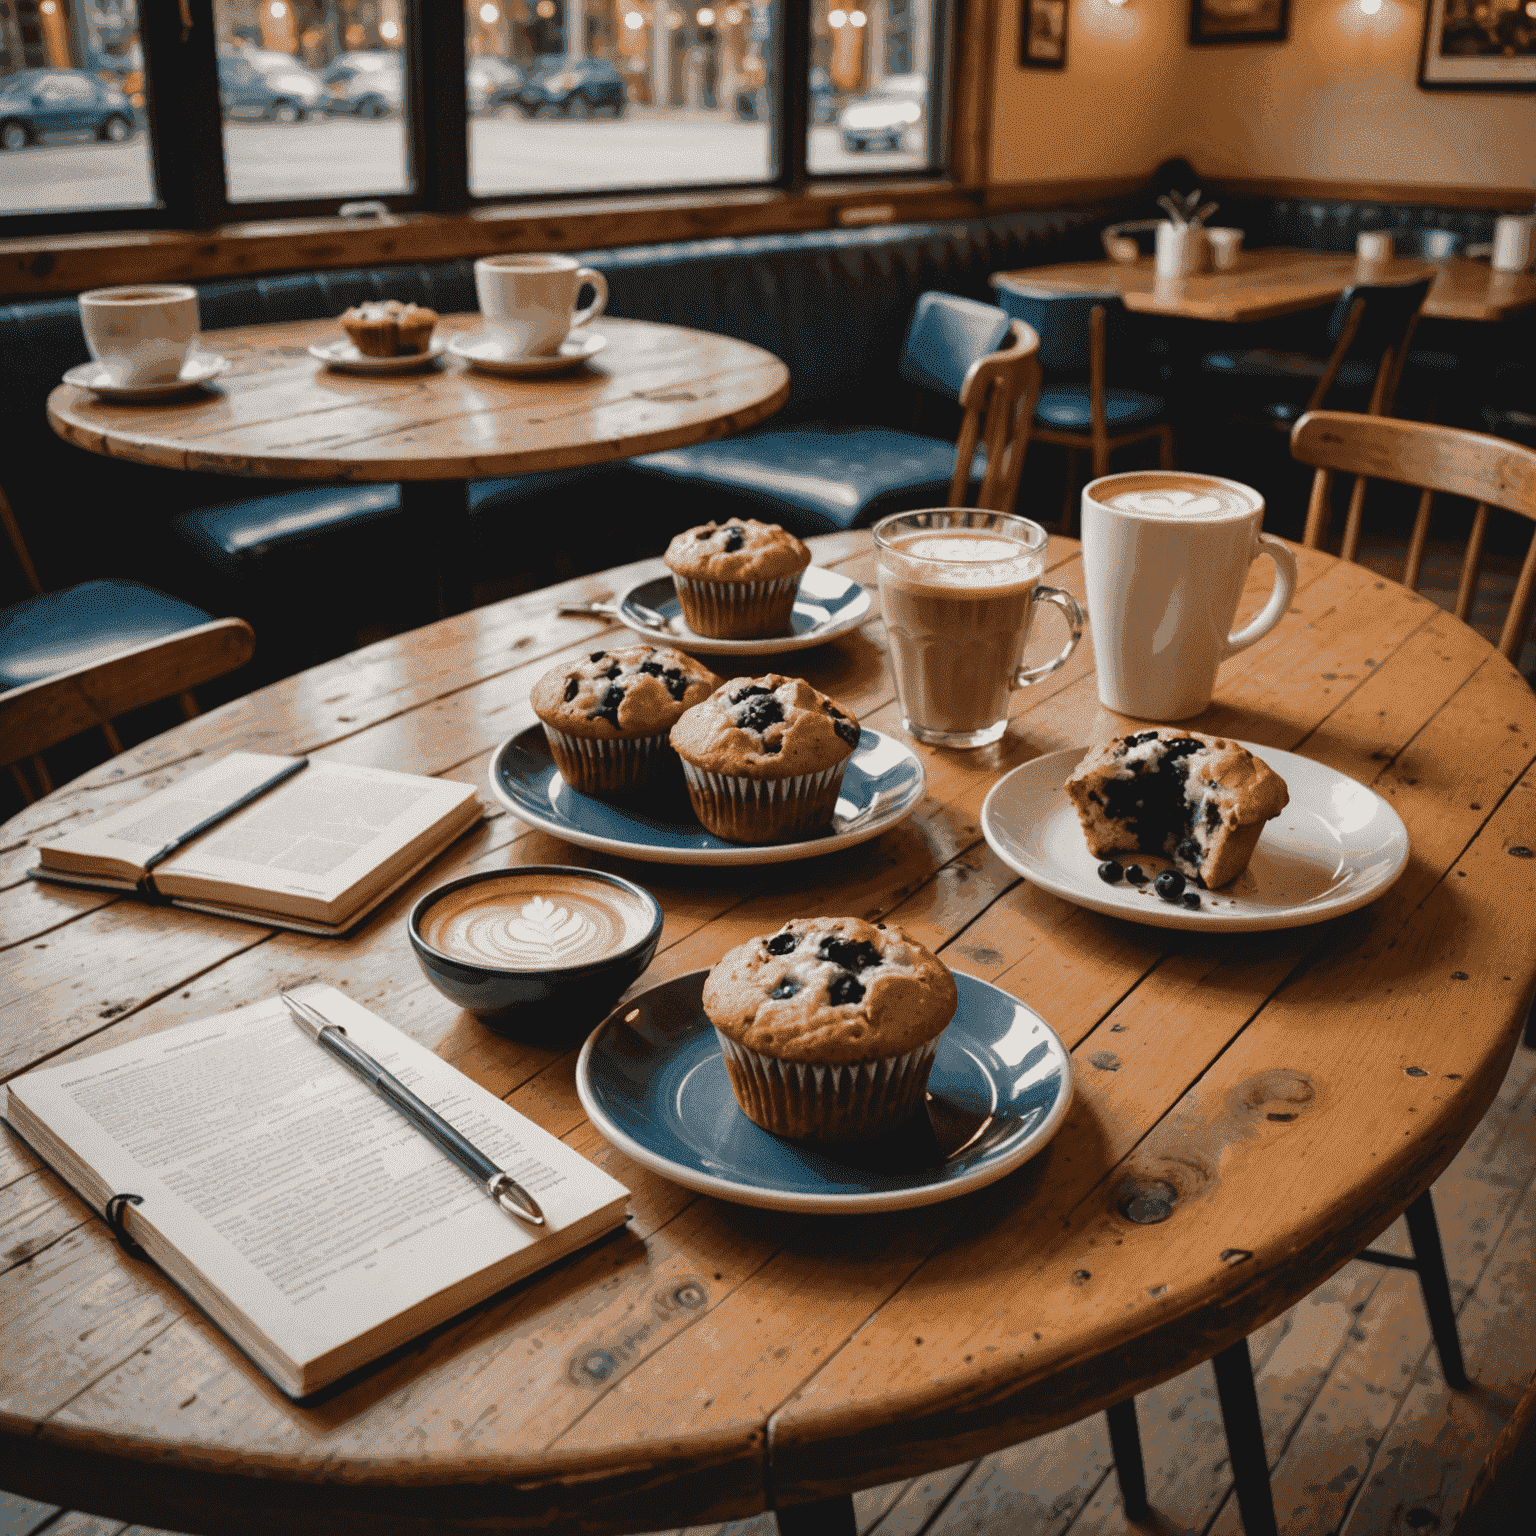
652,1080
884,784
829,604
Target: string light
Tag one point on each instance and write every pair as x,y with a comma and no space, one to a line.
489,15
705,17
634,20
857,18
277,8
837,18
389,32
1370,7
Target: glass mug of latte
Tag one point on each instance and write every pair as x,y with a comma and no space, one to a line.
958,590
1165,558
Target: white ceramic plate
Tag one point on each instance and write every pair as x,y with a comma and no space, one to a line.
883,784
344,356
485,350
1335,847
653,1082
201,368
828,604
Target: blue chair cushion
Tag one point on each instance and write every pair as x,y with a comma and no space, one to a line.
1262,363
242,531
59,631
816,478
1066,407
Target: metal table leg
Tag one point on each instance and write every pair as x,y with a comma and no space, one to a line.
826,1517
437,515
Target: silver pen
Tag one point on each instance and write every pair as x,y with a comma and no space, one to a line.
496,1182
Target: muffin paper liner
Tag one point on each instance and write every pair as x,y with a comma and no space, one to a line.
613,766
744,810
738,610
813,1101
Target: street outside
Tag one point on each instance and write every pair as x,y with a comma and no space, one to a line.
509,156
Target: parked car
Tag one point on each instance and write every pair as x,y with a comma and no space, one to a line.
880,120
569,87
490,84
39,104
280,93
365,84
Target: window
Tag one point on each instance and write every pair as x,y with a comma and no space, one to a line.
262,108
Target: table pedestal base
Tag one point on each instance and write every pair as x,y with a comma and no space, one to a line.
437,515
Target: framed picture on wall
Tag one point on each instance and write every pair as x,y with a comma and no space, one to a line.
1239,21
1043,34
1478,45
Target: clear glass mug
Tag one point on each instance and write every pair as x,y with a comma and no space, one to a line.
959,590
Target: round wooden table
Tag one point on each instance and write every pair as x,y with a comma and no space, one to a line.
281,414
1294,1090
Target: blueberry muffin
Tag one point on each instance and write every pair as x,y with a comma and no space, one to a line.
607,716
1200,801
764,758
737,580
829,1027
390,328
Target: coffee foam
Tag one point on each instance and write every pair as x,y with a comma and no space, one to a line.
535,922
963,559
1172,495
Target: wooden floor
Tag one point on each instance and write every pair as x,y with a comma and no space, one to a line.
1363,1436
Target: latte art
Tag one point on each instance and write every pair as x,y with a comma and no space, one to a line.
1177,495
1169,503
522,924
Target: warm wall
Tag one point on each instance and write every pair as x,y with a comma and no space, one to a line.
1338,102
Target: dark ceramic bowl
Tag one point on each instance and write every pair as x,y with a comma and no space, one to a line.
554,1002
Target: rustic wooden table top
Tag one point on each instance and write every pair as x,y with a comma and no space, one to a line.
279,412
1267,283
1296,1089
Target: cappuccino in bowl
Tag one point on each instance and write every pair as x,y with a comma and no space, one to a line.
538,947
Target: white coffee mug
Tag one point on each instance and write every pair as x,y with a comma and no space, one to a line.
1225,242
141,334
1513,238
529,302
1165,557
1373,245
1181,249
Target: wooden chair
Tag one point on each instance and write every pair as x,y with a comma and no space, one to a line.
1501,1496
74,659
1084,413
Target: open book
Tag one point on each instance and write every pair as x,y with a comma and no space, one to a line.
303,1213
316,854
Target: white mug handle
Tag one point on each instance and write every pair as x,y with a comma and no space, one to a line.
1279,598
599,303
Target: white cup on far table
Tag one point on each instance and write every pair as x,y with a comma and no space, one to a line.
1181,249
141,334
1165,558
1514,241
1225,243
529,302
1373,245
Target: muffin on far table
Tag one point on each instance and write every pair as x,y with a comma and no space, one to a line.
829,1027
606,717
764,758
737,580
389,328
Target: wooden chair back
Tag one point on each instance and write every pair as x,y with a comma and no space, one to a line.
42,714
1488,471
1377,319
998,396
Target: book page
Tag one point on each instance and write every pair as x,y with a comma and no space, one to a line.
299,1193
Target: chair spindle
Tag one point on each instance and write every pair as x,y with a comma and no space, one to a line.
1416,542
1472,562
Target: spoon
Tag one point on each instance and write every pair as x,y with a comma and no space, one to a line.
651,617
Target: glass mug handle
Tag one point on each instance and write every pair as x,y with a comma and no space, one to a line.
1279,598
1074,617
599,303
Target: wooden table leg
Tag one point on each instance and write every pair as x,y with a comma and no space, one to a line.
437,515
826,1517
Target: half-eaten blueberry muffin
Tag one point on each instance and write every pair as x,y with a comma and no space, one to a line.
606,717
1199,801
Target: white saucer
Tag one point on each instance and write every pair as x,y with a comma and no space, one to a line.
1335,847
484,350
343,355
201,368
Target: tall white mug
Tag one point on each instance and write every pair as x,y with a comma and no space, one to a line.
1513,238
141,334
1165,557
529,302
1181,249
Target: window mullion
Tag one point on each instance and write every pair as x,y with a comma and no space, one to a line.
438,118
185,118
792,120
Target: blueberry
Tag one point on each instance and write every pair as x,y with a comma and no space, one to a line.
1192,900
782,944
759,714
1110,872
785,989
772,748
844,988
677,684
572,688
734,539
1135,874
847,731
833,710
612,670
597,655
1169,885
1188,852
751,691
851,954
1181,746
1140,737
1212,815
608,707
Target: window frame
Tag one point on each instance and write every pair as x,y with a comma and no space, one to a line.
185,129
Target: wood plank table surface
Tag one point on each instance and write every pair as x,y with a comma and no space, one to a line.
279,413
1280,281
1295,1090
